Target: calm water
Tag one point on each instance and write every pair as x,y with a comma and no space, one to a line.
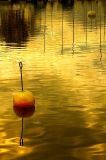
64,65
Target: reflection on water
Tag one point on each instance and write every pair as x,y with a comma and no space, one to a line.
64,66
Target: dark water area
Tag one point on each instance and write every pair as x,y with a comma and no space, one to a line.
63,51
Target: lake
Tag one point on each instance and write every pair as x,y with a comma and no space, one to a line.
63,52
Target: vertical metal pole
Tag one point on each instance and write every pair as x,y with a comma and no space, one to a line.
62,30
104,27
86,25
21,137
45,31
91,10
73,32
52,17
100,40
21,65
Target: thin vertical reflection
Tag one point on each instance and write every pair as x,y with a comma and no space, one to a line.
91,5
91,10
104,27
96,14
73,31
84,14
45,30
21,137
100,39
52,17
86,24
62,31
40,17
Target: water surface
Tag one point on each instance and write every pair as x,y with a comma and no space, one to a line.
64,66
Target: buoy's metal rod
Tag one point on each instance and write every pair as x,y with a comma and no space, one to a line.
104,27
21,137
100,33
52,18
73,31
86,25
62,30
45,31
100,40
20,65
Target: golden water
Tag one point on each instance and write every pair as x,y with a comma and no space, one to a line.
64,66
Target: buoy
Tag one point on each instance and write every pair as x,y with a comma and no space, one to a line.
91,14
23,103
